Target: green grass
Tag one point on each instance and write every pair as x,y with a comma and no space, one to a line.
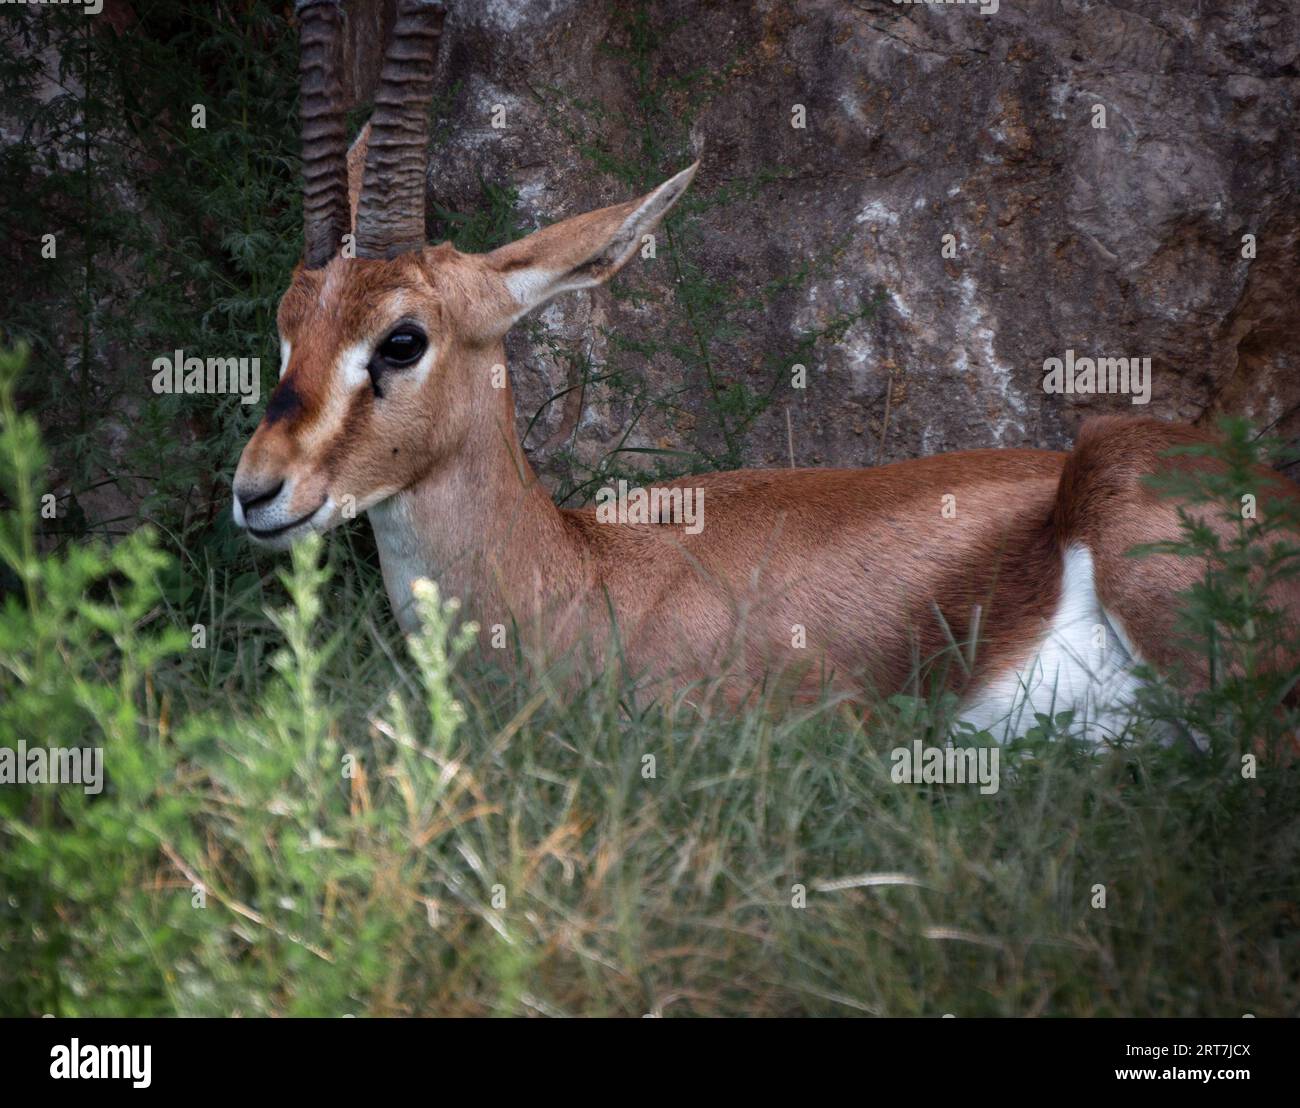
297,819
310,816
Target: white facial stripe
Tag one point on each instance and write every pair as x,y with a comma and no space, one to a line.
286,349
352,366
349,372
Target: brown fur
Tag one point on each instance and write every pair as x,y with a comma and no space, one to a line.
864,560
1105,503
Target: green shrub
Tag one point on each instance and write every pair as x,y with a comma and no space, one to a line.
306,816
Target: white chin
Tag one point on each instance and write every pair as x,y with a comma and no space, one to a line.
318,523
281,540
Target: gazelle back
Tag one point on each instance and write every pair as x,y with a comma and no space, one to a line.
394,400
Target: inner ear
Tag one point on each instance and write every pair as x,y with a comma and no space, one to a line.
585,250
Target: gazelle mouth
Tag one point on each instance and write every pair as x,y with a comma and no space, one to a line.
276,532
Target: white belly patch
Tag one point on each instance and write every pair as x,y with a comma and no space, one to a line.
1083,664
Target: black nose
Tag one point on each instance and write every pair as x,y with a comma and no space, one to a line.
250,496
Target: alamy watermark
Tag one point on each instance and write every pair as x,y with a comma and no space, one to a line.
946,765
53,765
1124,376
677,504
93,7
986,7
115,1063
176,374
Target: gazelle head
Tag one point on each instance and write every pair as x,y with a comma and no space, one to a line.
392,359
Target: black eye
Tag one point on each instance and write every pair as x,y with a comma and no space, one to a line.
403,347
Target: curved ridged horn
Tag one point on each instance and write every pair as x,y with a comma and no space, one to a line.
390,215
324,137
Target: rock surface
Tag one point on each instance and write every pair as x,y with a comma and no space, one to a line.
823,245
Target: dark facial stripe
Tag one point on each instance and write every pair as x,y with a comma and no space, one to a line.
285,403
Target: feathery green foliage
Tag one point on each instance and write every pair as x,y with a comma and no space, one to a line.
307,816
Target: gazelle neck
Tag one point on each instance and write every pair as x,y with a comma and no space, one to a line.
480,524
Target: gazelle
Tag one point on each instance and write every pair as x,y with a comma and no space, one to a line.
392,399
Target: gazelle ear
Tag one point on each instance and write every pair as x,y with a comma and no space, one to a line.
356,169
585,250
